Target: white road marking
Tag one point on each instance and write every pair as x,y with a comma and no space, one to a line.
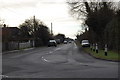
44,59
53,50
50,52
75,46
4,76
57,49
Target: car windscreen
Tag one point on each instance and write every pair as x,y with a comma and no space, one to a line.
85,41
52,41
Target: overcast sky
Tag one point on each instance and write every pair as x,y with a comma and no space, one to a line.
14,12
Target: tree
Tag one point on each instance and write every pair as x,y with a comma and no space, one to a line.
97,16
27,28
36,30
112,33
61,37
24,32
43,34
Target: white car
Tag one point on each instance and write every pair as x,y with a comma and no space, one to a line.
85,43
65,42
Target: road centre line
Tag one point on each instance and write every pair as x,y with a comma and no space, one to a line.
75,46
50,52
57,49
53,50
44,59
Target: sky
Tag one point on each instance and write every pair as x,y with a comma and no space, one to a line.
14,12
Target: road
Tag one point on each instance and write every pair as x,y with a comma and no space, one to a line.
63,61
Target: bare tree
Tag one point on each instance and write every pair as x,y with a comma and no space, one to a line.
96,15
35,29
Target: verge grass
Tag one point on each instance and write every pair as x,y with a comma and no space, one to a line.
111,55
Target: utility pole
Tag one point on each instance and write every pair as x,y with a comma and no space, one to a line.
51,29
34,31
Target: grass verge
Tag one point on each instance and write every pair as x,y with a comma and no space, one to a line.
111,55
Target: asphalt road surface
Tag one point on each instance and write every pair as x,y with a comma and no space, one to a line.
63,61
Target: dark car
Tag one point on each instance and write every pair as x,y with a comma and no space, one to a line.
57,41
52,43
70,41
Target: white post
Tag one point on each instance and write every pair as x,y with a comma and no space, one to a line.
106,49
96,48
93,47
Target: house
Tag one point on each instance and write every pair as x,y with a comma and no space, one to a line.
11,39
10,34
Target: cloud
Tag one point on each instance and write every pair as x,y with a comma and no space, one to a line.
56,11
27,3
18,5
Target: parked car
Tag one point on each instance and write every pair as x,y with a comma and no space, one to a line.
70,41
57,41
52,43
65,42
85,43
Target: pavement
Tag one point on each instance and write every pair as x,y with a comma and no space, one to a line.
63,61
